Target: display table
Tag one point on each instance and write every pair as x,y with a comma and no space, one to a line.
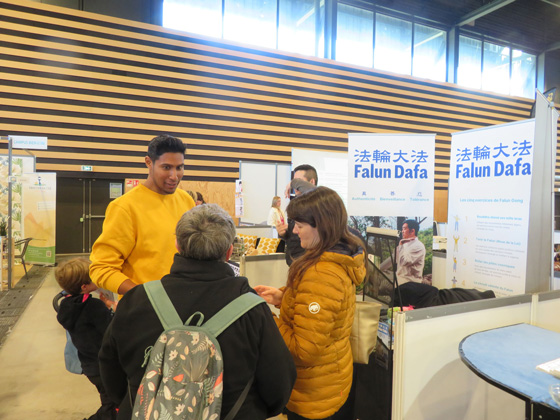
507,358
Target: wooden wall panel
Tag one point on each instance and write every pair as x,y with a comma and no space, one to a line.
221,193
100,88
440,206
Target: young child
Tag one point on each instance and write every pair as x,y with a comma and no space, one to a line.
86,319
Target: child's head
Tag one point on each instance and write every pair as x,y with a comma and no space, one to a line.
73,276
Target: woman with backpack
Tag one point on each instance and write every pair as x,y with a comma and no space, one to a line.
317,306
165,370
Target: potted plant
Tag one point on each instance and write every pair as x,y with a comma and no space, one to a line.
3,228
3,233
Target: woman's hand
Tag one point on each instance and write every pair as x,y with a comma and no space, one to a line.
272,295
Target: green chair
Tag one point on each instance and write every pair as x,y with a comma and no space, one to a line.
22,246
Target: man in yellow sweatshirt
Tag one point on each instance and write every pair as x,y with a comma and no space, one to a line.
138,239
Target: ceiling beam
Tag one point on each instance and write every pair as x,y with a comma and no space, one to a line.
482,11
552,47
556,3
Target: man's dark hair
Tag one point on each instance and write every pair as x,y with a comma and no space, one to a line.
310,172
165,143
412,225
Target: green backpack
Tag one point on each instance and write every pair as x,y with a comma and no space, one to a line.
184,375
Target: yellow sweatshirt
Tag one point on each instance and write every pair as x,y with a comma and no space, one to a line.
138,238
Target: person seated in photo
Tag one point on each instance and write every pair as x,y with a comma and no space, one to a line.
201,281
86,319
411,253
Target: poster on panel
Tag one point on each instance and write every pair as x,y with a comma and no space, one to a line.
330,167
39,216
489,194
391,186
20,165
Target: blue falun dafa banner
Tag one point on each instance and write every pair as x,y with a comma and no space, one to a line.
391,174
489,203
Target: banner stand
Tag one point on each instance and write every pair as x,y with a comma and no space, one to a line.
20,142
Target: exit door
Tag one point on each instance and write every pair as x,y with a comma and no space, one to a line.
80,211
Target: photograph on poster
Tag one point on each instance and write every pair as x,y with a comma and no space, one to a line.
19,166
413,252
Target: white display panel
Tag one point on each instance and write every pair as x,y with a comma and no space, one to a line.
261,182
331,168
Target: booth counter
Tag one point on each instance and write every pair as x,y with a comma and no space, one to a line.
267,270
429,380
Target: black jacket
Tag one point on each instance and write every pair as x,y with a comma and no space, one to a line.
86,321
251,346
293,248
422,295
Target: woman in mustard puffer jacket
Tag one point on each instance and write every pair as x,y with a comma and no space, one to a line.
317,305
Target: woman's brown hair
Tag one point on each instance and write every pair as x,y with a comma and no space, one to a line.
322,208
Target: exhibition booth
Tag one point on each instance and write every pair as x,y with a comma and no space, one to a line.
498,237
27,209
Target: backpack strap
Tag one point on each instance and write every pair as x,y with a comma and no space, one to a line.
233,412
163,306
223,319
231,312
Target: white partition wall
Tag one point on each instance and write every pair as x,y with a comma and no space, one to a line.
262,231
547,311
431,382
267,270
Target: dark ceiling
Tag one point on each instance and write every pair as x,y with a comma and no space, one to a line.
528,24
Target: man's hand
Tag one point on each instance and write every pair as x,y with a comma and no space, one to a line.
287,190
110,304
281,228
126,286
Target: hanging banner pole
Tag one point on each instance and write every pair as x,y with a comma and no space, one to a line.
540,273
9,238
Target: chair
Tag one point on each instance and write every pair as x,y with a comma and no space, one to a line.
22,245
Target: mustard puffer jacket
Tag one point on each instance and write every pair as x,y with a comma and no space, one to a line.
315,320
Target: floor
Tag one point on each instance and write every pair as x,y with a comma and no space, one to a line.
33,380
